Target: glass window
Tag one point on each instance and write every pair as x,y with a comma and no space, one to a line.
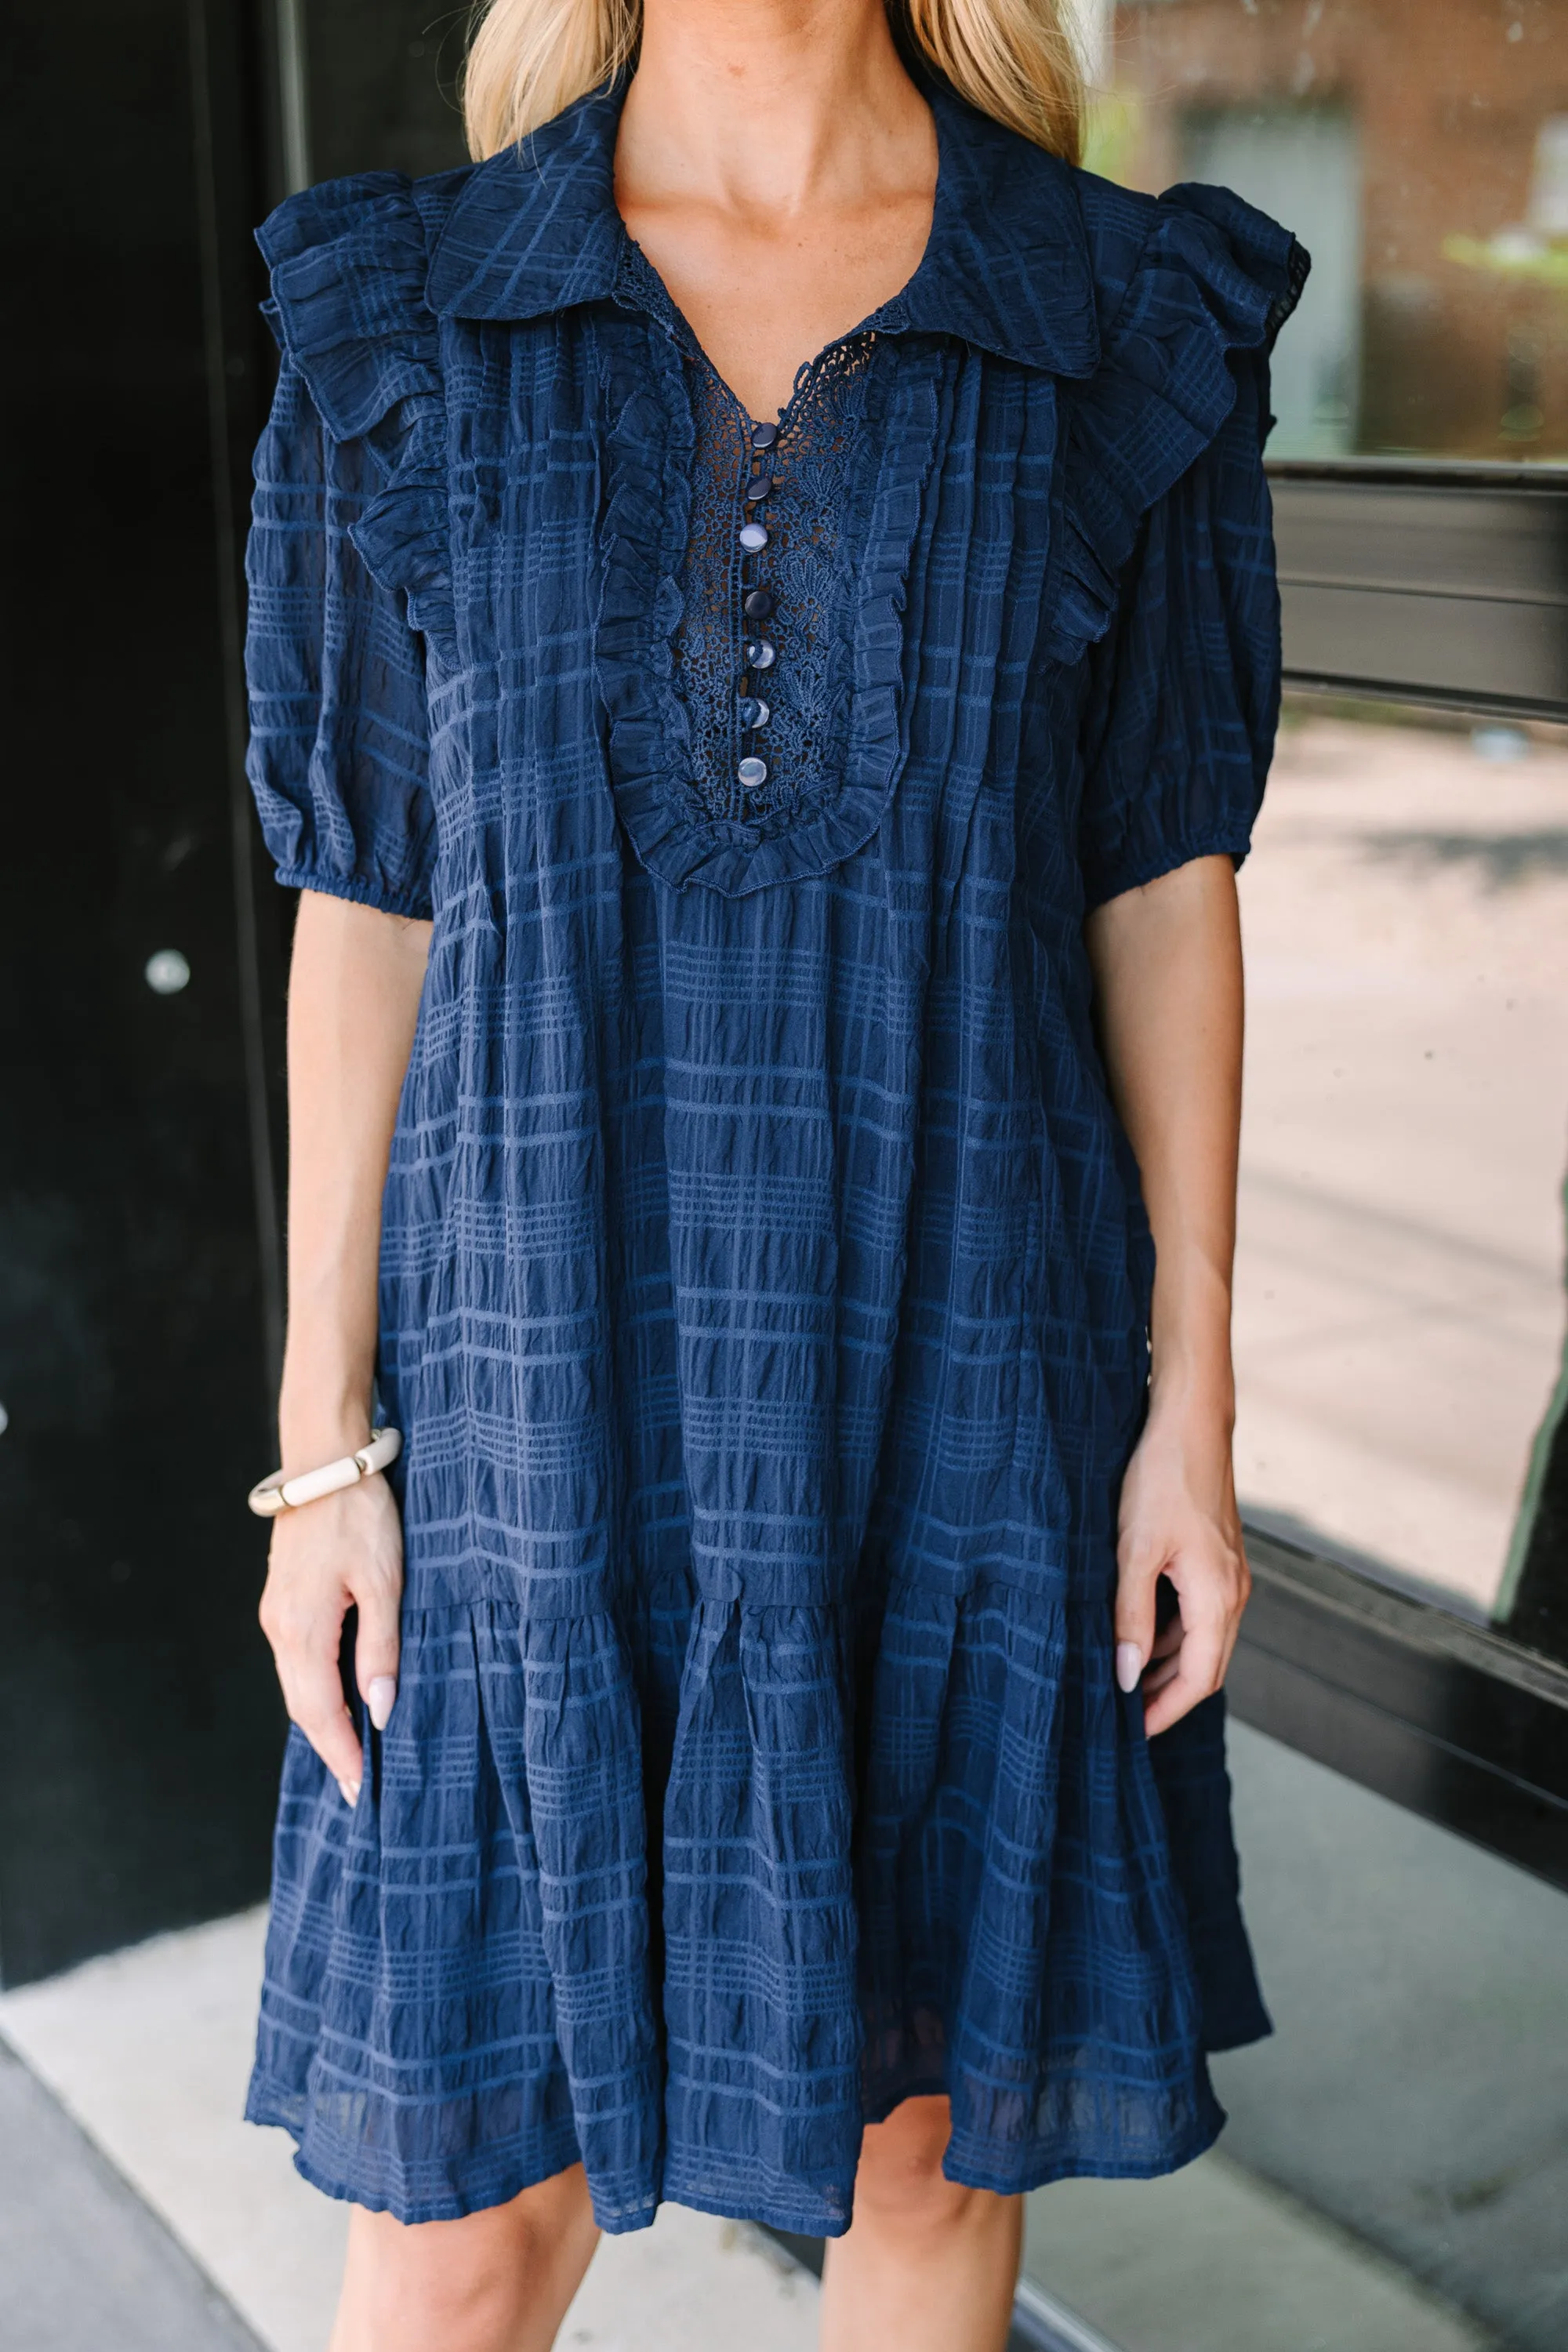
1395,2172
1400,1302
1421,154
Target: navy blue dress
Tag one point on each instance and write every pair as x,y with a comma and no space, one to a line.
764,1280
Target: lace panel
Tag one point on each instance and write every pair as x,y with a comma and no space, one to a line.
805,684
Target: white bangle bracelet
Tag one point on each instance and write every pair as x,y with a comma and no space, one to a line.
279,1494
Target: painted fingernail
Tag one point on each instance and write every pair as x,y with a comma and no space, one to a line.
1129,1665
379,1699
349,1793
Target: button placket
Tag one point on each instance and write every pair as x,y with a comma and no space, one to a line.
757,606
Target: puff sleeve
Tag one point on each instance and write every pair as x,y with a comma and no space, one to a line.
338,758
1176,597
346,559
1183,693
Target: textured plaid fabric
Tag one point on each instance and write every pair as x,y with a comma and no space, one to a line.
764,1282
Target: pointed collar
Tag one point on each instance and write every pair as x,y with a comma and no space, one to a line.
1006,268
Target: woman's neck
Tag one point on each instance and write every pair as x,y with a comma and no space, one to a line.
778,167
769,109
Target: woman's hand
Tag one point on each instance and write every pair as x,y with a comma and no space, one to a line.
1179,1521
344,1551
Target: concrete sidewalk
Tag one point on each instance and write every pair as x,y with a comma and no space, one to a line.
83,2262
139,2212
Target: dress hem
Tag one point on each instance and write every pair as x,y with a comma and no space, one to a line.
792,2219
459,2206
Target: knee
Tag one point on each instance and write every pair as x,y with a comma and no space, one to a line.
901,2184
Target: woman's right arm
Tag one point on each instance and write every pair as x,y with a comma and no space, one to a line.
353,999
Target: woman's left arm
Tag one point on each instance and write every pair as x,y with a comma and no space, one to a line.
1167,971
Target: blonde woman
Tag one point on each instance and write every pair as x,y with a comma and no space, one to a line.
765,656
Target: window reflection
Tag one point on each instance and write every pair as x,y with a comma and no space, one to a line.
1393,2174
1399,1303
1421,154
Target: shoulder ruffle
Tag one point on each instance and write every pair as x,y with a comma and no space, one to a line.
349,262
1188,285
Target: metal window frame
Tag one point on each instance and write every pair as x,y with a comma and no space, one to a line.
1444,585
1449,1719
1438,583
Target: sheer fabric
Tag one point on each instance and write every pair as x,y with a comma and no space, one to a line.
805,567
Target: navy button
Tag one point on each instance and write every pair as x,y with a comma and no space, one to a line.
750,773
758,604
753,538
759,654
753,711
758,487
764,435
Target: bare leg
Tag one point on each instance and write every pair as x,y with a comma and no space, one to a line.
497,2282
925,2266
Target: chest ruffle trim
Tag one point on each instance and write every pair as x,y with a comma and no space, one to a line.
1210,287
349,262
887,520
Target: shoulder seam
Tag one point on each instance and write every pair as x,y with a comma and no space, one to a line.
1094,193
433,198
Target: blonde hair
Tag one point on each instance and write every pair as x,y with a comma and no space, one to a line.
1013,59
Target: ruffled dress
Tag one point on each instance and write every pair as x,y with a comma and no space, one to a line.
764,1282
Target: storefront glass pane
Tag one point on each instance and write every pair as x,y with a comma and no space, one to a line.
1394,2173
1421,154
1400,1298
